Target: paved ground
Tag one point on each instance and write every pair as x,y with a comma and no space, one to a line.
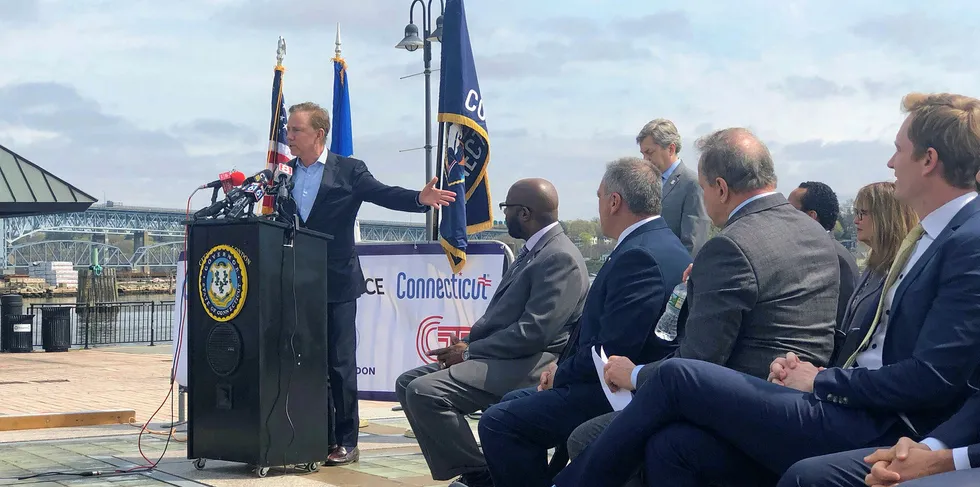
136,378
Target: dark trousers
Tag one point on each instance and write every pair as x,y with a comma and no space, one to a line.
342,372
720,424
517,432
847,469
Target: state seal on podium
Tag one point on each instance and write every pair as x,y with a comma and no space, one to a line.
223,282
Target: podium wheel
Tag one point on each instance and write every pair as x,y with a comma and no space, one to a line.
262,472
312,466
199,463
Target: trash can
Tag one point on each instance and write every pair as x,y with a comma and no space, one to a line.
22,338
10,305
56,329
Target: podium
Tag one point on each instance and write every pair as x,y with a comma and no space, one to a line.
257,344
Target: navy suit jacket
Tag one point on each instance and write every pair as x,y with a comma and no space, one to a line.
963,429
625,301
345,184
932,346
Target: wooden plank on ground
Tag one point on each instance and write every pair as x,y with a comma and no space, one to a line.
64,420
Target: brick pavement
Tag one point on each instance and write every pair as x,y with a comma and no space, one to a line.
137,378
86,380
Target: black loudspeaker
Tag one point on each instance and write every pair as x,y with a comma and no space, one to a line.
257,344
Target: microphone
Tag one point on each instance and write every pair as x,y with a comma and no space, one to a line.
263,176
250,194
226,181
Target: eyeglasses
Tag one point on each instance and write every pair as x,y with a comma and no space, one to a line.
859,213
504,206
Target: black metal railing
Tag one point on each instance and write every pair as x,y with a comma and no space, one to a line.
109,323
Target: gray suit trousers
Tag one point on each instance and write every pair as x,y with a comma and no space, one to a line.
436,405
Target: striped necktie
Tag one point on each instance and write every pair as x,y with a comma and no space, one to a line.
522,253
904,252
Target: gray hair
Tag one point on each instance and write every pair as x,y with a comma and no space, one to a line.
663,132
737,156
637,182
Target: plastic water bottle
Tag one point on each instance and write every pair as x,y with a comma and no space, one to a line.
667,325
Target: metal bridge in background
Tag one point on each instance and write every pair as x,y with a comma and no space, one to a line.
165,226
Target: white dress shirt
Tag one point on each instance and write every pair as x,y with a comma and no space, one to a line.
534,239
633,227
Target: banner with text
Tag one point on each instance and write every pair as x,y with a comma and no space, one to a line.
413,305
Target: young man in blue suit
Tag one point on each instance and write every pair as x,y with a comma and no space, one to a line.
695,423
622,308
948,457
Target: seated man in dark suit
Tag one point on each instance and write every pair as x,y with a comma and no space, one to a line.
697,423
948,457
523,330
820,202
752,297
623,305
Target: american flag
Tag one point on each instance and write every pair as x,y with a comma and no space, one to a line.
483,280
278,147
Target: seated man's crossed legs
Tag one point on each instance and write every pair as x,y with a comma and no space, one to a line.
436,406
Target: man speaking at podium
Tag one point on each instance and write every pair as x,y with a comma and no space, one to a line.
328,191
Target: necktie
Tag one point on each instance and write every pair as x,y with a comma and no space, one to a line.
522,253
904,252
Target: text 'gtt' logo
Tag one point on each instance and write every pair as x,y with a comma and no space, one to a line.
433,335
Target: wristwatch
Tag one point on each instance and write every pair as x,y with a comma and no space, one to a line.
466,354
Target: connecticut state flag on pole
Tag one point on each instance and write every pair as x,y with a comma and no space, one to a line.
278,147
467,144
342,138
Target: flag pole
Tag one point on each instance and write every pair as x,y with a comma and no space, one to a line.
441,174
336,50
267,202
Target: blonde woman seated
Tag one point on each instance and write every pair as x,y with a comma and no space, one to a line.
882,223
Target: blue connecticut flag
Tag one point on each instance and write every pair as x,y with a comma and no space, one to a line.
342,138
467,144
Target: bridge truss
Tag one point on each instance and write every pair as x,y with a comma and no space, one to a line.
159,223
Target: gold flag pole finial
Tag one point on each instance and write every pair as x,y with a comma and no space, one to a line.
281,51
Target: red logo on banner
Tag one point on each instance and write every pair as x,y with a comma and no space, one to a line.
433,335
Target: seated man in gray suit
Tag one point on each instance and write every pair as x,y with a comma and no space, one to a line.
681,204
766,285
820,202
522,332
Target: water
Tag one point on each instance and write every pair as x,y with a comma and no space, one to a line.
667,325
133,319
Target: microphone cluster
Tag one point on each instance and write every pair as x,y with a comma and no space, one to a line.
241,193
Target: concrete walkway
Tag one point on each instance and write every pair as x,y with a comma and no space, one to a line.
136,378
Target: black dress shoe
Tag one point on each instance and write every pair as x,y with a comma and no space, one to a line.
343,456
473,479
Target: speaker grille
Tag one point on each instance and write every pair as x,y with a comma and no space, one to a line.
224,349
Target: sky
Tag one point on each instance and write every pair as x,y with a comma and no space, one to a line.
139,102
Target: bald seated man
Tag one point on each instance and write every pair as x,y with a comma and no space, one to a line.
521,334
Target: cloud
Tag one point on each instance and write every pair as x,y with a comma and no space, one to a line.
812,88
845,165
671,24
19,12
70,135
203,131
932,38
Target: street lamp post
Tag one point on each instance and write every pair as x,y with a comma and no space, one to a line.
410,43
